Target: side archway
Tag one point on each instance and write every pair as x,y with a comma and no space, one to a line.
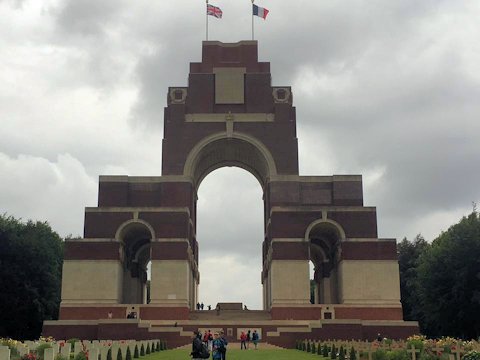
324,237
135,236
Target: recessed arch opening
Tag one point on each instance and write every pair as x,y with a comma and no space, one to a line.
135,236
324,237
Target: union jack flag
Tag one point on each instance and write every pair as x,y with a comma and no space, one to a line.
214,11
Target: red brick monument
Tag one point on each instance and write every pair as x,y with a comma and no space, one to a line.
230,115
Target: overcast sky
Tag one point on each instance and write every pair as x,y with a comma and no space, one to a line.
386,89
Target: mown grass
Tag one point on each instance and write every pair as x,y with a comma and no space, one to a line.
235,354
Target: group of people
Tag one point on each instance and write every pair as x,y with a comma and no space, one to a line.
216,343
245,339
200,306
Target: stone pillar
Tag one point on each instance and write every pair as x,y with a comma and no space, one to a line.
92,281
326,289
173,268
289,272
290,282
169,283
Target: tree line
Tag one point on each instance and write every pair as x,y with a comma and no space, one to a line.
440,281
31,258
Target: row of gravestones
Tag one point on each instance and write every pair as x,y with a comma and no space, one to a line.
369,348
96,349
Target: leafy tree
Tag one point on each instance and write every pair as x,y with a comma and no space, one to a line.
449,279
31,257
409,253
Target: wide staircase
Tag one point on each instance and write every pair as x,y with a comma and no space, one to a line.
228,315
179,332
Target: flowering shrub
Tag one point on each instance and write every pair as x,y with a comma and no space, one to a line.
471,355
46,339
417,341
8,342
30,356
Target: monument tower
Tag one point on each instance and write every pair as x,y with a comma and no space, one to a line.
231,115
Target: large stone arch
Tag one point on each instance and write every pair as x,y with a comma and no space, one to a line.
219,150
229,114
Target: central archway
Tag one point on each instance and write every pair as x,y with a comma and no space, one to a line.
230,235
237,149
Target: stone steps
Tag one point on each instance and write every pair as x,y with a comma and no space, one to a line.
212,315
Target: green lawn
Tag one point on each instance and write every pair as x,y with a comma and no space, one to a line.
235,354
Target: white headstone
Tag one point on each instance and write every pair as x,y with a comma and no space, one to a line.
49,354
65,350
104,352
22,349
93,353
124,350
4,353
56,348
115,349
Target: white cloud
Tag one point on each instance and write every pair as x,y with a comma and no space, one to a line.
35,188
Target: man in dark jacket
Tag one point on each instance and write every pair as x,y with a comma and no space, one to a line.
223,348
196,346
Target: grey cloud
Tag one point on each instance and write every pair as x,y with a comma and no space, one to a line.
389,89
87,17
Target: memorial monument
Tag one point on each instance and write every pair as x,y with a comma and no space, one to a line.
231,115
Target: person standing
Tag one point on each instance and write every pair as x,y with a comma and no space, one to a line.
249,337
223,348
255,338
210,340
243,340
216,346
196,345
205,337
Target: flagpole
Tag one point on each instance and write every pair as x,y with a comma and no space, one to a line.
253,30
206,12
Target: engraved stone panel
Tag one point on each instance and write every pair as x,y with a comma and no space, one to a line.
229,85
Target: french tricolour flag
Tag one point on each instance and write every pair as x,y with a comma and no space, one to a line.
259,11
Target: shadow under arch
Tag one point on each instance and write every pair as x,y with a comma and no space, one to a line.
324,237
219,150
136,236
